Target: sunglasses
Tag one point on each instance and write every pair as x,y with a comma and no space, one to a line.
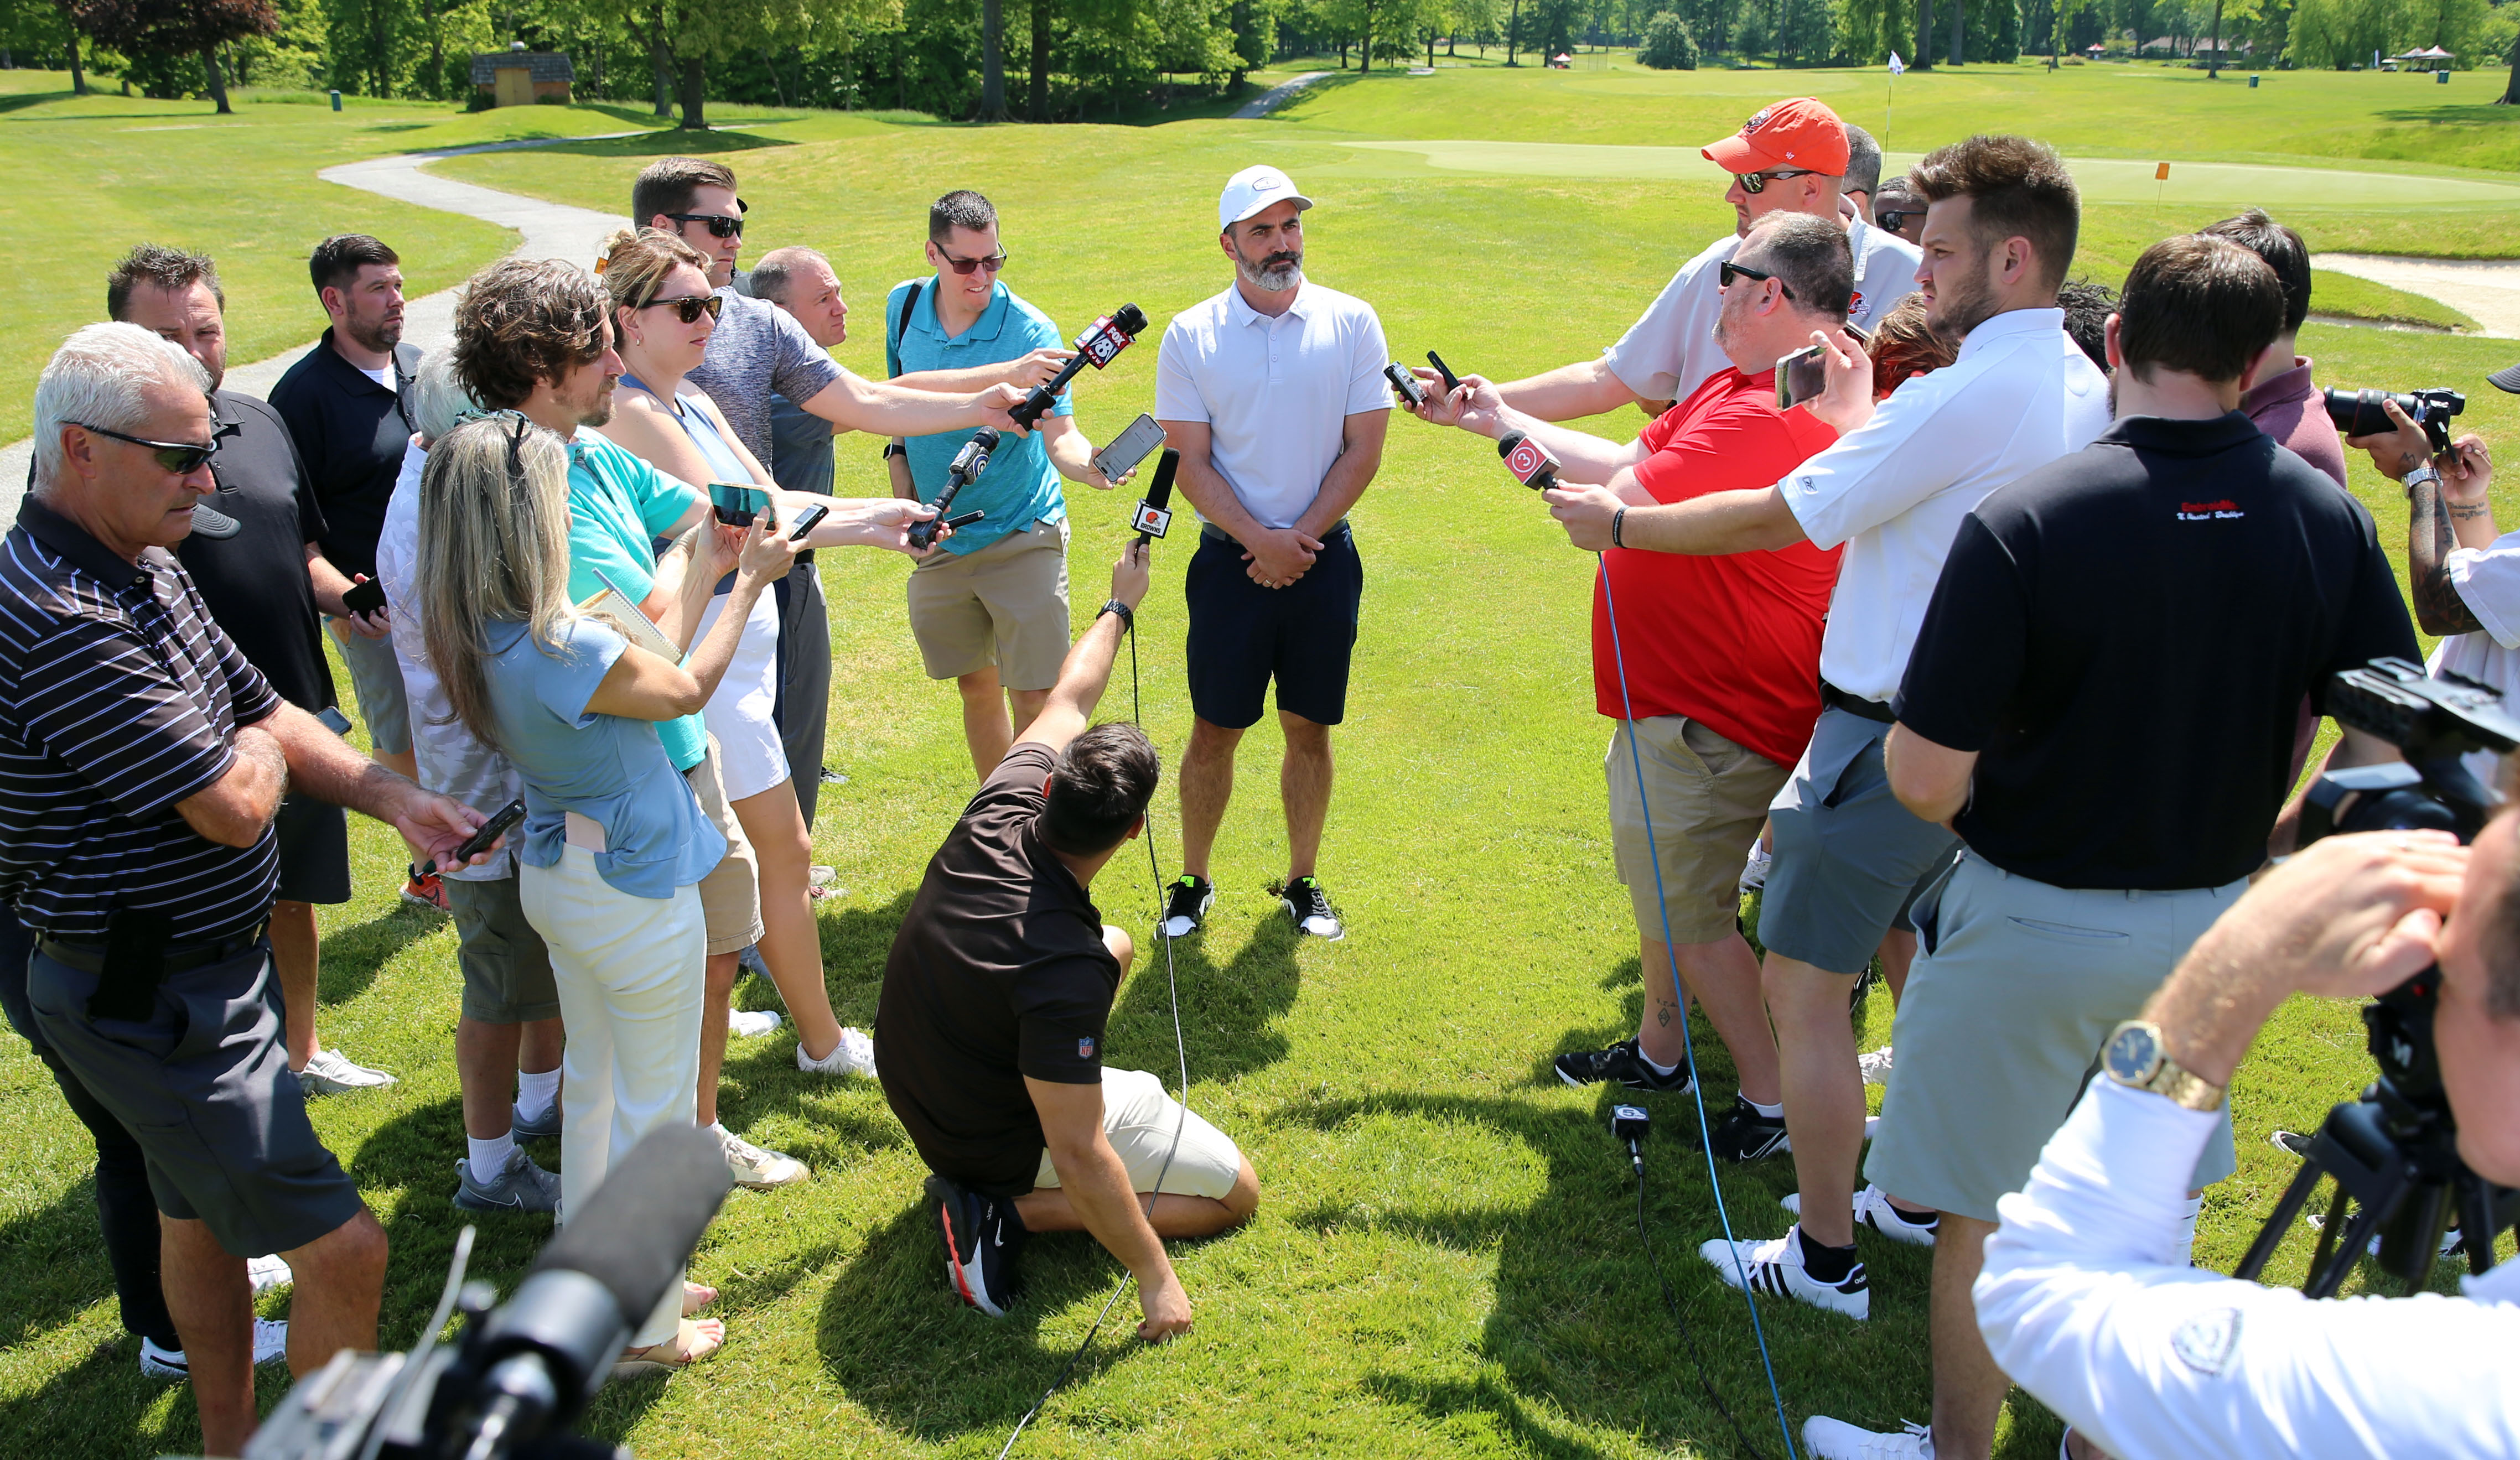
689,307
993,263
720,226
180,458
1755,183
1891,219
1729,271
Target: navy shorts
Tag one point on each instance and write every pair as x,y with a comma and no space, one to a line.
314,850
1241,635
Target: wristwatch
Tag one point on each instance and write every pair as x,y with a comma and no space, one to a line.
2133,1058
2421,474
1128,620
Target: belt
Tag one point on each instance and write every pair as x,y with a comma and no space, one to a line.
1831,696
89,957
1210,532
582,831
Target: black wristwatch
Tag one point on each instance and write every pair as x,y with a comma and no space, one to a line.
1128,620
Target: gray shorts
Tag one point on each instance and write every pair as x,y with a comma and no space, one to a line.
1848,856
506,970
375,681
204,1085
2015,987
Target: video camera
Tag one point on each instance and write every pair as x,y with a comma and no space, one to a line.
2359,413
2394,1152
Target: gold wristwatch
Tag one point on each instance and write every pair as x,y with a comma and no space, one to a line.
2134,1057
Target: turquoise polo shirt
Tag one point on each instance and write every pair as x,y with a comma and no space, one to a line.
618,506
1021,487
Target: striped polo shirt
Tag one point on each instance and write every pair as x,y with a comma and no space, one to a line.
120,696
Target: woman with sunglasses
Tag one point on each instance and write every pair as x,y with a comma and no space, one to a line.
614,843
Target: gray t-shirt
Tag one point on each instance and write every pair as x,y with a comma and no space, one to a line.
757,348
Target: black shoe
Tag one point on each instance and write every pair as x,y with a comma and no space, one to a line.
1624,1063
1747,1135
982,1236
1188,909
1310,908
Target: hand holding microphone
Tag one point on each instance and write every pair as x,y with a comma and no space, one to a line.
1097,346
968,462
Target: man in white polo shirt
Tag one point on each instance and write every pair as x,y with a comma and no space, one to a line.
1790,158
1273,393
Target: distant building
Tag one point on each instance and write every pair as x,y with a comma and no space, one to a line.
521,77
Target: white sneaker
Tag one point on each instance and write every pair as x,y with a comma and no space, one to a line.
1871,1126
1872,1209
752,1024
270,1346
268,1272
1825,1438
1754,872
328,1073
1876,1067
853,1055
1776,1267
758,1169
819,875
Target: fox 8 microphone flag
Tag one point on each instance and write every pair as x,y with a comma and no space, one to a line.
1102,344
1528,460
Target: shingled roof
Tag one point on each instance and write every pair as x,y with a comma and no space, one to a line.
546,66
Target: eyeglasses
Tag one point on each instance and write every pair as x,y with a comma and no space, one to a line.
182,458
1891,219
1730,271
689,307
991,264
720,226
1755,183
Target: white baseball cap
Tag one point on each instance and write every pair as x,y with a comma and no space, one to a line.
1252,188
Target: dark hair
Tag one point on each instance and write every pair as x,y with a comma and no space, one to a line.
1099,790
1810,256
522,321
776,272
2088,307
160,267
2281,248
2203,306
1862,162
338,260
666,186
959,208
2016,188
1904,345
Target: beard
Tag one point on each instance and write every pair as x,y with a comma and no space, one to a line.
595,407
380,335
1276,273
1956,310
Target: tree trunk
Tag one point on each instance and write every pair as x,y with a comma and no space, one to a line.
992,60
2511,89
1924,37
663,68
1038,108
1512,23
78,76
1239,19
2213,65
1364,53
695,94
437,50
218,79
1960,31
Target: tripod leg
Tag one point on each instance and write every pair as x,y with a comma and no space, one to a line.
2280,1221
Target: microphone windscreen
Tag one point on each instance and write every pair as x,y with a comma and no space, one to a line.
1159,493
1129,320
639,1227
985,438
1508,442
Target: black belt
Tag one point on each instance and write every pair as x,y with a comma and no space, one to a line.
1210,532
89,957
1832,697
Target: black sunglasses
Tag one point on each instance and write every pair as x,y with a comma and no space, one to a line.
1730,271
1892,219
181,458
1755,183
720,226
993,263
689,307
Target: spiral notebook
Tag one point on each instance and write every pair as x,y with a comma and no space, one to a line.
617,608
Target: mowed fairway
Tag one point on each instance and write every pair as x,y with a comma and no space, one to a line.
1446,1262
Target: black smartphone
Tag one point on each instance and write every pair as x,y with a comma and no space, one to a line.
1801,376
807,521
479,841
334,719
367,596
738,505
1452,382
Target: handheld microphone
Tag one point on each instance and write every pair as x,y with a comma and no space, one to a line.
1097,346
968,462
1528,460
1153,518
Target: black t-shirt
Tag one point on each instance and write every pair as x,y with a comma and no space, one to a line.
999,972
2125,634
254,580
350,432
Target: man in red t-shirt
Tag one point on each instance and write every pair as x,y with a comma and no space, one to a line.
1721,680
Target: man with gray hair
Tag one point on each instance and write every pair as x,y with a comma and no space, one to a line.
142,760
801,281
1863,172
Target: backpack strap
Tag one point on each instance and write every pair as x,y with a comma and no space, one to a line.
900,327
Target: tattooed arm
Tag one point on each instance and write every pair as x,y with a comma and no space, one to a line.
2451,512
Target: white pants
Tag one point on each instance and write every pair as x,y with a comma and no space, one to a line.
631,976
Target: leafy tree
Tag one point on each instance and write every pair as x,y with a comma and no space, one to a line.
1668,45
170,29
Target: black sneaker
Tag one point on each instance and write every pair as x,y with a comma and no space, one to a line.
1310,908
1624,1063
1747,1135
982,1236
1188,909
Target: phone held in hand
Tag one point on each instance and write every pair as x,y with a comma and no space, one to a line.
1803,374
1404,386
334,719
367,596
738,505
479,841
811,518
1122,454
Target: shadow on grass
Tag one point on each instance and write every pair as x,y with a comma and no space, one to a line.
352,955
1485,1398
54,1258
1228,1023
665,142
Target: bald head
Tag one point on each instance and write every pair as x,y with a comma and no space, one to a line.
802,281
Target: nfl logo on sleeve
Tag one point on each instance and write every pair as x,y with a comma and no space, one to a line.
1084,1048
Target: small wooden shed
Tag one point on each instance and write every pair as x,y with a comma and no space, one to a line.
517,77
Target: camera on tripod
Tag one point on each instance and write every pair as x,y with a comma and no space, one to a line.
2359,413
2394,1153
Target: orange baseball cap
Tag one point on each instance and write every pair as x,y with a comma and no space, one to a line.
1799,132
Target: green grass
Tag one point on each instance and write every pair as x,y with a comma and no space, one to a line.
1444,1263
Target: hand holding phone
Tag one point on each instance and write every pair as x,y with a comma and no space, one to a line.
479,841
1452,382
367,596
807,521
737,504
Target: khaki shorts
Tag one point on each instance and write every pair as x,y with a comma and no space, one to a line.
1004,605
1709,796
730,895
506,970
1139,1120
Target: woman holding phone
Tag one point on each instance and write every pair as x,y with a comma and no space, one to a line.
614,843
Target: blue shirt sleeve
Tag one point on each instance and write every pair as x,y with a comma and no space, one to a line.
565,678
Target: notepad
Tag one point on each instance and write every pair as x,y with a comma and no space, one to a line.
623,613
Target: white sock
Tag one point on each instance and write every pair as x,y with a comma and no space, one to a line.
1659,1069
1775,1111
536,1092
717,1129
490,1157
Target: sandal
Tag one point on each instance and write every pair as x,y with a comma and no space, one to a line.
696,1296
694,1340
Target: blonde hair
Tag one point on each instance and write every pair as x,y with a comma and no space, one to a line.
636,262
493,549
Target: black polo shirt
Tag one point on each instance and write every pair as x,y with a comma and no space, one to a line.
120,696
250,567
2124,637
999,972
351,433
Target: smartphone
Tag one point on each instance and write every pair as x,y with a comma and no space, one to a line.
367,596
1452,382
479,841
737,505
334,719
1123,452
806,522
1801,376
1404,386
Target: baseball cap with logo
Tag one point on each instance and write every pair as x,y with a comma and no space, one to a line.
1255,188
1799,132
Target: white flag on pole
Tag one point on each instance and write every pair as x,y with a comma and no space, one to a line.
1898,68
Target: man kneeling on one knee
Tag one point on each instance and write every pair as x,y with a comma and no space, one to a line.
989,1036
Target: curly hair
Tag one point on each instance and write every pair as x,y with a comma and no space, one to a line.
1904,345
524,323
638,260
160,267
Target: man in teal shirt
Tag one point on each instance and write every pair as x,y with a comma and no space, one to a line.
990,612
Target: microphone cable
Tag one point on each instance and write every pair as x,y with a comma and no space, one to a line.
1688,1046
1181,1051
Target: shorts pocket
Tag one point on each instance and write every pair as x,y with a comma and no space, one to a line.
2068,934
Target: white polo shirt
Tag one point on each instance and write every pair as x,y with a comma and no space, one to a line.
2488,581
2020,395
1275,393
1671,349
